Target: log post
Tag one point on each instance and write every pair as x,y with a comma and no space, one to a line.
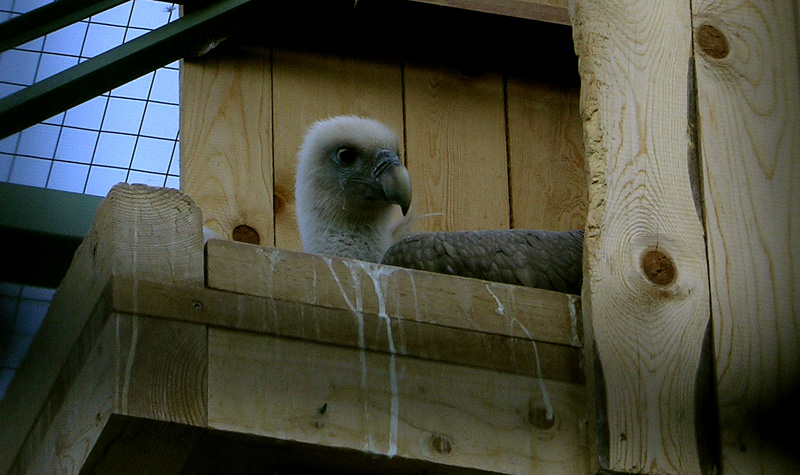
645,292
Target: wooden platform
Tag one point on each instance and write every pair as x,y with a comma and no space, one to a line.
158,357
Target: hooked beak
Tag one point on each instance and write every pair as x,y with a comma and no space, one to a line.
393,178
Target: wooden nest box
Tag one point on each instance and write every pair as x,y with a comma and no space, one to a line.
675,148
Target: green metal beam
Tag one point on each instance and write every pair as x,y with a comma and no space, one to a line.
48,18
41,229
185,36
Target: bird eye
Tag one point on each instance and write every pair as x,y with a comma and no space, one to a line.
346,156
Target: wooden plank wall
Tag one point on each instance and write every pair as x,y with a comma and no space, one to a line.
748,92
487,150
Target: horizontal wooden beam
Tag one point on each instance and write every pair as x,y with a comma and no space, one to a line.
553,11
420,338
394,293
299,348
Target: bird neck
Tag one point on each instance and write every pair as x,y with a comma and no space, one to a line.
347,233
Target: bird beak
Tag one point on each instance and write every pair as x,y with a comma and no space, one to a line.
393,178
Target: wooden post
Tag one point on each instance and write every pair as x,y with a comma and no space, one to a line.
147,233
646,281
748,89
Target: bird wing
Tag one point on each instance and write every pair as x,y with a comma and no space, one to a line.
551,260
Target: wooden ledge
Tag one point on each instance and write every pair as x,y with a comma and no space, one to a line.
292,347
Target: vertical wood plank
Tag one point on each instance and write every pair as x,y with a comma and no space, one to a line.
646,285
226,137
456,143
748,87
162,370
309,87
546,167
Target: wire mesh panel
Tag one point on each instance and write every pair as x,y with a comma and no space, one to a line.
128,134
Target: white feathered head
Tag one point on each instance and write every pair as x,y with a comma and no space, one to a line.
349,178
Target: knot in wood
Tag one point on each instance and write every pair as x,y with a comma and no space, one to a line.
244,233
712,41
441,444
659,267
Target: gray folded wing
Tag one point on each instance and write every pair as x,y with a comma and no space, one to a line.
549,260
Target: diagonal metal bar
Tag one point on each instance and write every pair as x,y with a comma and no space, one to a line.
48,18
185,36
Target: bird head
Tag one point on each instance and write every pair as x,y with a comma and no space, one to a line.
351,163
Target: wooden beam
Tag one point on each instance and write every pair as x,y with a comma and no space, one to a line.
389,405
419,337
374,290
554,11
138,230
748,90
646,281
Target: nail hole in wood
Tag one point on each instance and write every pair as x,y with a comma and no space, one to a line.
441,444
538,417
244,233
712,41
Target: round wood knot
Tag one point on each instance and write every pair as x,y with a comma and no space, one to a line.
244,233
540,418
441,444
712,41
659,267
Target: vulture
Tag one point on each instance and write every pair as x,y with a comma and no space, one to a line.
349,180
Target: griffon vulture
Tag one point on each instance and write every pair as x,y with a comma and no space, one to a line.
348,180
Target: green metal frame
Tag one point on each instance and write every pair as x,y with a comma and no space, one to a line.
186,36
41,230
48,18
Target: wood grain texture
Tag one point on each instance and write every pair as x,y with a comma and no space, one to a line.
749,116
162,370
387,405
417,337
547,179
371,289
646,280
310,87
226,131
456,148
554,11
61,440
149,232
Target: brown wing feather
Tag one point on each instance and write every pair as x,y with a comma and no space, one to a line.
549,260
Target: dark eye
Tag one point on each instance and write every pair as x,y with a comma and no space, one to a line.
346,156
